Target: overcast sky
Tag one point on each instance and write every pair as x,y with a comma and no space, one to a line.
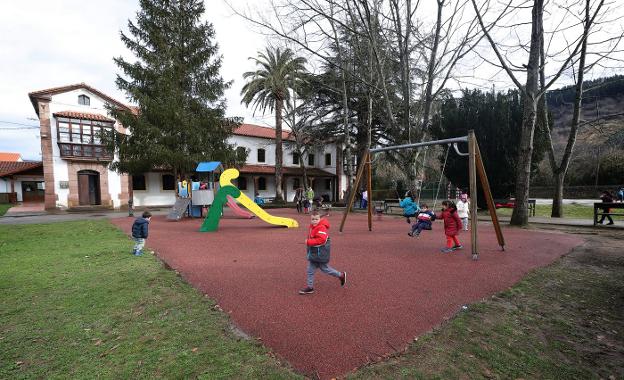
54,43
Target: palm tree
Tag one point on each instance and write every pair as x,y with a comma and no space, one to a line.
268,87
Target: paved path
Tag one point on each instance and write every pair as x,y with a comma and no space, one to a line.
36,218
398,287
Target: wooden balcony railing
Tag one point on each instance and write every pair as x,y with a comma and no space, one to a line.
84,151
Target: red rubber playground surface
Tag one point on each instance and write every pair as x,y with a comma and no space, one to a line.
398,287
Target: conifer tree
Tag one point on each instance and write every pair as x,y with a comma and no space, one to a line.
175,82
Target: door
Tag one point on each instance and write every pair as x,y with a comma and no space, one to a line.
88,188
32,191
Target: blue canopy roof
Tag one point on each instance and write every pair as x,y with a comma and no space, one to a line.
209,166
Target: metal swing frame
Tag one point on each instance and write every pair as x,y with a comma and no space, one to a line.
475,169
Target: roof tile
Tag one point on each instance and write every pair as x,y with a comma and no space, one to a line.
259,131
9,167
9,156
83,115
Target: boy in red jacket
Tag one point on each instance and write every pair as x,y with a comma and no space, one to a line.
318,235
452,226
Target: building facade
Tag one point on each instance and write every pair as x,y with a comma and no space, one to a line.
75,163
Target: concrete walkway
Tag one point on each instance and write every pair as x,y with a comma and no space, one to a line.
61,216
619,223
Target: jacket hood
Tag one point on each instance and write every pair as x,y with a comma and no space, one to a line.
323,222
141,221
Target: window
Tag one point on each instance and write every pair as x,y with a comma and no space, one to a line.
310,159
82,137
168,182
84,100
328,182
242,183
295,158
261,155
261,183
138,182
328,160
296,183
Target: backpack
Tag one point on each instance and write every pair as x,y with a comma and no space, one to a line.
319,253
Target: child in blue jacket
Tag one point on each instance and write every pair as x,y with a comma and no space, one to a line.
410,208
140,232
423,222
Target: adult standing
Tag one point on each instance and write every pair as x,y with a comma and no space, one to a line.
364,198
309,194
299,199
606,197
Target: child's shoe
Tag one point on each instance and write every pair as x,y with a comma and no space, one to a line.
410,234
307,290
446,250
134,251
138,253
458,247
343,278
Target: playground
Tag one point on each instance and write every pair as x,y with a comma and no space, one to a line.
398,287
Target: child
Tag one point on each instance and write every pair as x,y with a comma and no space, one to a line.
410,208
140,232
423,222
452,226
463,208
306,205
257,200
318,244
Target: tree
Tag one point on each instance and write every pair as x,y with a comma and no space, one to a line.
531,91
496,120
176,84
269,87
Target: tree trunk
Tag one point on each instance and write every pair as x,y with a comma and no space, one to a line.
279,105
557,204
520,215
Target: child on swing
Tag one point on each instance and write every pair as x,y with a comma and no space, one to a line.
423,221
452,226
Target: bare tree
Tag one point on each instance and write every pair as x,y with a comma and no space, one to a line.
531,92
589,22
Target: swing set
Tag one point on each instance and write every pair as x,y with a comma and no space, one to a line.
475,168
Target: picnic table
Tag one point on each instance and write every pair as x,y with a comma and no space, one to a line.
606,209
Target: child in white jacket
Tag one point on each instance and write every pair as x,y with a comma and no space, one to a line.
463,209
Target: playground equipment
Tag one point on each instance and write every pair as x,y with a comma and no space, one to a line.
231,202
211,223
192,197
475,166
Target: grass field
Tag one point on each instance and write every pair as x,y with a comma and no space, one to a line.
573,211
4,208
76,304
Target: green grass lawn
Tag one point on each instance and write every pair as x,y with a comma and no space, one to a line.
75,304
4,208
573,211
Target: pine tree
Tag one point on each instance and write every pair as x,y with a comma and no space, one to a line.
176,84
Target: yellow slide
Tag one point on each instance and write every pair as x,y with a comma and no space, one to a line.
226,180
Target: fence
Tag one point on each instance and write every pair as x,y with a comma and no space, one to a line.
8,197
572,192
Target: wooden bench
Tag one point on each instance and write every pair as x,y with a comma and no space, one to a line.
390,204
607,206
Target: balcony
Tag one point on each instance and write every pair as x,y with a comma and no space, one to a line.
85,152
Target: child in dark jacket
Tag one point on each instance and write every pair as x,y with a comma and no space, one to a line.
140,232
452,226
318,235
423,221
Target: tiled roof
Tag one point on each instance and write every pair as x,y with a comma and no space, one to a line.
83,115
45,94
259,131
266,169
8,156
9,167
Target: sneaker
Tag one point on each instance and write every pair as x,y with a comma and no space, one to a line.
458,247
343,278
446,250
410,233
138,253
307,290
610,223
408,221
